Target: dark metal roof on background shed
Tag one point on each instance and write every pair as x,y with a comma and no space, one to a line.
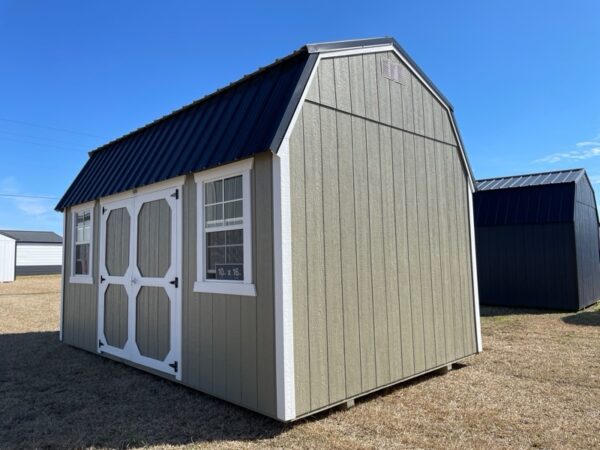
533,179
33,237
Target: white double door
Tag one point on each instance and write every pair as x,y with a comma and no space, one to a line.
139,302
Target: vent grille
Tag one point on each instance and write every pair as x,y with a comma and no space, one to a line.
392,71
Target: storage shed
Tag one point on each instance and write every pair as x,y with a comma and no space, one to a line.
29,253
295,240
537,241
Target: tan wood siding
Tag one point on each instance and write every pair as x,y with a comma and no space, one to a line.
80,306
382,282
228,340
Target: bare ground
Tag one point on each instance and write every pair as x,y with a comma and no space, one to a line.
537,384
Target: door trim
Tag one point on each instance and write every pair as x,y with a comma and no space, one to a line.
129,200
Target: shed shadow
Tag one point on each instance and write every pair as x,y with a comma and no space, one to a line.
585,318
53,395
491,311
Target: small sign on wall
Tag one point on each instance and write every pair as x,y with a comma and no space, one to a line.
229,272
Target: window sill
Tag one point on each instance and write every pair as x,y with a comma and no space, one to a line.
81,279
216,287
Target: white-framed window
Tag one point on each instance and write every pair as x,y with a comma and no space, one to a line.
82,244
224,226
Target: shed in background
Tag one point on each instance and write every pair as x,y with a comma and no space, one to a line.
537,241
29,253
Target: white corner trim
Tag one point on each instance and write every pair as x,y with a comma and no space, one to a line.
230,288
63,280
474,271
234,168
282,247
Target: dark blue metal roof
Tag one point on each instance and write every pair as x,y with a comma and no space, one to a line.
247,117
236,122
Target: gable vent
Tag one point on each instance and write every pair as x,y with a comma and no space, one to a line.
392,71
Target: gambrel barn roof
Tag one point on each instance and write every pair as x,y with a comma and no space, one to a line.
247,117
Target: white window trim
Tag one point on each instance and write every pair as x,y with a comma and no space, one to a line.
246,287
82,279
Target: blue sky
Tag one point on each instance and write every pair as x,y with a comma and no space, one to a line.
523,76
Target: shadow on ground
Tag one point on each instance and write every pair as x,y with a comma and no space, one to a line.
587,318
52,395
490,311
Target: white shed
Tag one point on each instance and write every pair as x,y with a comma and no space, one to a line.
29,253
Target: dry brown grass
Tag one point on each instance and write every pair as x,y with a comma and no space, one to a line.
537,384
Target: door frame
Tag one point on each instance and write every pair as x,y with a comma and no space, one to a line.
130,352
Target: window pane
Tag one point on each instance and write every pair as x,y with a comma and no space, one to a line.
79,236
82,252
235,254
215,238
214,255
213,192
233,188
86,232
235,237
234,213
214,215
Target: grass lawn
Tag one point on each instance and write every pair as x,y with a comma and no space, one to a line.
537,384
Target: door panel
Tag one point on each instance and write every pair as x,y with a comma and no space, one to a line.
153,322
115,315
139,317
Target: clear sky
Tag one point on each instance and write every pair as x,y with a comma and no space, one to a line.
523,76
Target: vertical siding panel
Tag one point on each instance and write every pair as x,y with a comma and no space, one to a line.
326,83
248,350
206,342
363,255
333,279
234,326
436,264
370,79
357,85
438,124
265,339
316,258
428,113
425,255
348,263
397,114
219,341
417,91
299,264
447,260
380,325
342,84
407,101
383,92
412,205
454,230
404,282
389,244
449,136
313,90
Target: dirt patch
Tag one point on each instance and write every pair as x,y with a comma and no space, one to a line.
537,384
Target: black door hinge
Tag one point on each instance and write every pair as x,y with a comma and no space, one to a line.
175,282
103,210
174,366
100,343
175,194
102,279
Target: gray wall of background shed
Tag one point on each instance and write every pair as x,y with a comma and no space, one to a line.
382,282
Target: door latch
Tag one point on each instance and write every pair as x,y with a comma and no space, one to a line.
174,366
175,282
